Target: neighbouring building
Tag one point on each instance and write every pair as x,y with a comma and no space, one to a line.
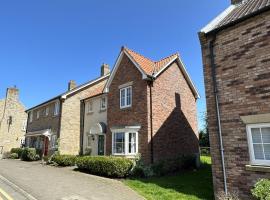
12,121
56,123
151,108
236,58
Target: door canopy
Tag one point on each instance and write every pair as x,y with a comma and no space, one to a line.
99,128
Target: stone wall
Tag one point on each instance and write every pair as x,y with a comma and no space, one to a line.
242,55
12,134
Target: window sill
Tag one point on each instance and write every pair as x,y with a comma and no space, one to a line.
125,155
258,168
90,113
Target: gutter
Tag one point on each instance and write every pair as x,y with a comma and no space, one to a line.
213,70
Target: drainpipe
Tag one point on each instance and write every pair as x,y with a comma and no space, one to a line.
213,69
150,83
82,113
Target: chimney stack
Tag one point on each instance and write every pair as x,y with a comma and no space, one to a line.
234,2
12,93
105,69
71,85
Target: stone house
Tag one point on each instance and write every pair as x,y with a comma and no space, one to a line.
236,58
12,121
151,108
56,123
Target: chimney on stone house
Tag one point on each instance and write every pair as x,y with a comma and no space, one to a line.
71,85
105,69
234,2
12,94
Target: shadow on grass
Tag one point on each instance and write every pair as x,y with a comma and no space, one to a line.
197,184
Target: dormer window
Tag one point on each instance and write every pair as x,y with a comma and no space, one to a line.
125,97
103,103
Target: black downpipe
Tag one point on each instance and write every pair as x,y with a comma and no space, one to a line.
150,83
82,126
213,70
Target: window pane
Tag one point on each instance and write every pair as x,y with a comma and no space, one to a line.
266,135
122,97
256,135
267,151
119,148
132,143
119,137
258,151
129,96
119,143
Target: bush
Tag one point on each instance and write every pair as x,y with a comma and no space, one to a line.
29,154
14,156
262,189
17,150
6,155
63,160
107,166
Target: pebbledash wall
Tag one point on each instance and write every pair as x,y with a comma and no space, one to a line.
174,112
12,133
242,58
70,128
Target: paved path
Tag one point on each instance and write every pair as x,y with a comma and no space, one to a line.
52,183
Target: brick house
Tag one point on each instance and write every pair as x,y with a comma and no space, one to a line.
56,123
12,121
236,58
151,108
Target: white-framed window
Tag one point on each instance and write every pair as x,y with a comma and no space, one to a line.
56,108
30,116
53,141
38,114
24,124
47,110
89,106
103,103
126,97
259,143
125,143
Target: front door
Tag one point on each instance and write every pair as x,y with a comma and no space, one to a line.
46,146
101,145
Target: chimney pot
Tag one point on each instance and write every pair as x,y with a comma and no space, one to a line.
105,69
71,85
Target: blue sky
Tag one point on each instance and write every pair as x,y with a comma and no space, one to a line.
44,44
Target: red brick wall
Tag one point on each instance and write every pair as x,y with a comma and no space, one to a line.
174,115
137,114
242,55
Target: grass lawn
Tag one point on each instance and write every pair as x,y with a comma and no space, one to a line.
191,185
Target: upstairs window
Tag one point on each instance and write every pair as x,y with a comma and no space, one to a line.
89,106
259,144
31,116
125,97
24,124
38,114
103,103
47,110
56,108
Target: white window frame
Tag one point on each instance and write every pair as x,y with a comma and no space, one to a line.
24,124
125,97
47,110
56,108
101,103
89,106
250,144
38,114
30,116
126,143
53,141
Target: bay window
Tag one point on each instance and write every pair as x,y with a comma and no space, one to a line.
259,143
125,143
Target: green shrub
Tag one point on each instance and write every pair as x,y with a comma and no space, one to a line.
17,150
29,154
14,156
107,166
63,160
261,189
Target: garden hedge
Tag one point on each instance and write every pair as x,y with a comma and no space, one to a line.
29,154
17,151
63,160
107,166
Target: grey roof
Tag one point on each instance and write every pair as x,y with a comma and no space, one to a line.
239,12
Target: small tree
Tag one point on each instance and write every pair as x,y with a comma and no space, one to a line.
204,133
